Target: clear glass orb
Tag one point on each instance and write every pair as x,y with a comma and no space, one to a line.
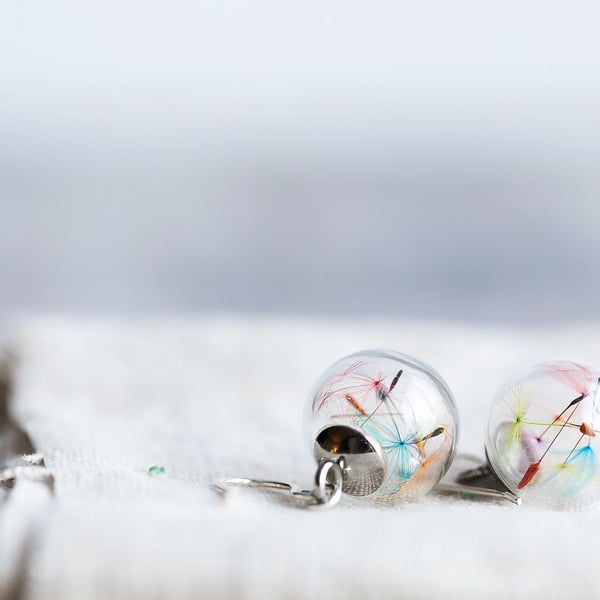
390,418
544,433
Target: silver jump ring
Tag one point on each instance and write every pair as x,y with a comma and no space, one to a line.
328,483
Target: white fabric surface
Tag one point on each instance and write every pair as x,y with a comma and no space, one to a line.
104,399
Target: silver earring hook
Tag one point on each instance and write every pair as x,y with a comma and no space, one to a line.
326,492
471,491
475,479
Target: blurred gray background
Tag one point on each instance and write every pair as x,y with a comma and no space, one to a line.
432,159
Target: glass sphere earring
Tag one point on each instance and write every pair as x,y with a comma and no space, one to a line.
542,439
381,425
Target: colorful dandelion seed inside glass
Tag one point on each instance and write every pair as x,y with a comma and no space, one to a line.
544,433
403,409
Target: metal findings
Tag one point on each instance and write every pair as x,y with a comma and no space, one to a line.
470,479
326,492
363,466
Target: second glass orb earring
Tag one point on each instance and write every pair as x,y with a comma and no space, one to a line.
542,438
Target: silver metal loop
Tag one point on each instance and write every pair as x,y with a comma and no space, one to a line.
328,483
327,491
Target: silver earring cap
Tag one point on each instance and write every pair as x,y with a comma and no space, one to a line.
363,467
